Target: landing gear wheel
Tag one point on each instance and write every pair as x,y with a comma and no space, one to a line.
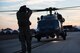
64,37
64,34
52,35
38,39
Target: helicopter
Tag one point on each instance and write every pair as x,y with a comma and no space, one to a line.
49,25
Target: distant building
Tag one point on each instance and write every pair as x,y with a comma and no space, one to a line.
68,27
8,31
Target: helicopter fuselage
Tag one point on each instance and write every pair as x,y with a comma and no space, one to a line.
48,26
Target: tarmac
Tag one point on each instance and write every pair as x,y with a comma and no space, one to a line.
70,45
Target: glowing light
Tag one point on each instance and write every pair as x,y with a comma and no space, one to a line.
55,41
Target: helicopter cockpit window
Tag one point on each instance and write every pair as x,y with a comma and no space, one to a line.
48,17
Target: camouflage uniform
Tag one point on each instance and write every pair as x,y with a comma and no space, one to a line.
25,37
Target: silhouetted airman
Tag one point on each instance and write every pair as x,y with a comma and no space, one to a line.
25,37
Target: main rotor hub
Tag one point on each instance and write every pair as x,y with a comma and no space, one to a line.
50,9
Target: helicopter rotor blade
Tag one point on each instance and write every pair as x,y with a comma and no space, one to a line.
47,9
65,8
53,9
39,10
9,11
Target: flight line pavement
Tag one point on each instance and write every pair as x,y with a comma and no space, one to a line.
70,45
